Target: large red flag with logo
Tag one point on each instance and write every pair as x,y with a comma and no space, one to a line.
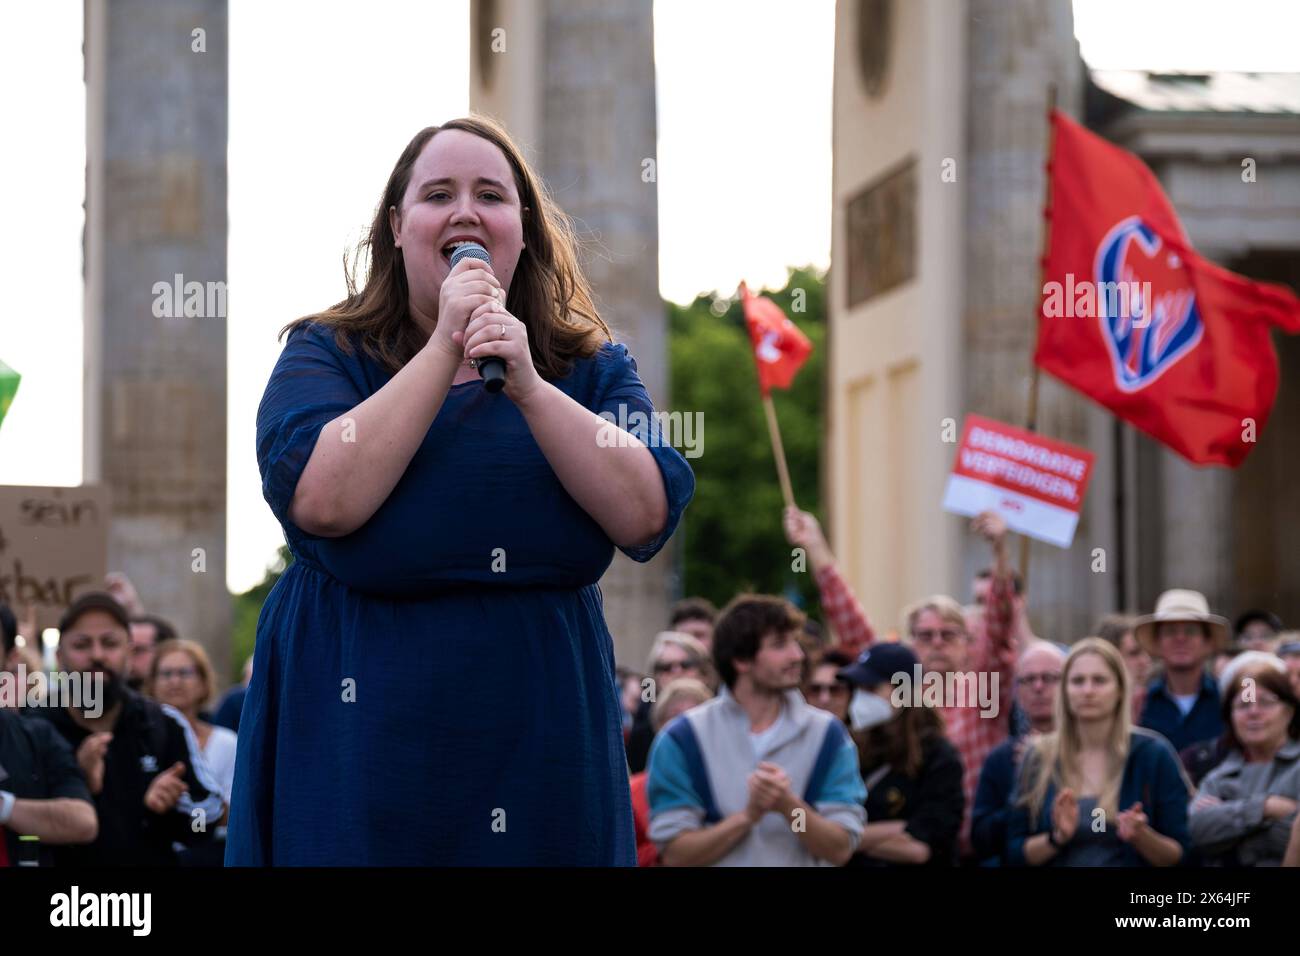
780,349
1187,358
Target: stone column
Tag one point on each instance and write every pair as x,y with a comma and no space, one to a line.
1018,49
155,387
593,126
1196,504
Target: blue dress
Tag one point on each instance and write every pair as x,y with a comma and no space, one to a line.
437,688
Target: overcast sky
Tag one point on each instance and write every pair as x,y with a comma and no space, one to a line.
323,95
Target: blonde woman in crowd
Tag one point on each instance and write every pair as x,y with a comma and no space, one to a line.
1098,791
677,699
182,677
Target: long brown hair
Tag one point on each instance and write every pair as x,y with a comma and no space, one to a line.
900,742
548,292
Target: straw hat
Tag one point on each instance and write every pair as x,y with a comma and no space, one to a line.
1181,605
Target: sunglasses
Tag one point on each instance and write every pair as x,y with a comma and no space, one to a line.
184,673
669,667
947,636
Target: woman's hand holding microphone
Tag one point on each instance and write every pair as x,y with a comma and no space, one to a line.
473,323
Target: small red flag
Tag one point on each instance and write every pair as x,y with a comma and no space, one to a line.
1141,323
780,349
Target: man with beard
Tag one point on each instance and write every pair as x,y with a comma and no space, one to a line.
147,632
141,760
756,777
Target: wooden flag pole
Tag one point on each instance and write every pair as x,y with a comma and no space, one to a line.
1031,419
778,451
774,434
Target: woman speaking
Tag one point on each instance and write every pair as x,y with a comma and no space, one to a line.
433,682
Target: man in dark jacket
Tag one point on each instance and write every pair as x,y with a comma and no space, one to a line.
141,760
1038,680
42,792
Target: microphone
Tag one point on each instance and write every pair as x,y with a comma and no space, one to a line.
491,369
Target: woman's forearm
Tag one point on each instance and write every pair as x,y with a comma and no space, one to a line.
1292,857
1157,849
879,832
902,848
1039,849
360,456
607,471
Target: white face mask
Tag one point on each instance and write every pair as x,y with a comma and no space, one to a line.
867,710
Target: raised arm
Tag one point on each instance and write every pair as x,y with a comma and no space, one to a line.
841,606
999,649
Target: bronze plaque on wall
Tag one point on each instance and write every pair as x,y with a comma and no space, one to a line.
875,24
882,234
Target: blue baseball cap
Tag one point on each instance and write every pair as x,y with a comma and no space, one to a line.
878,664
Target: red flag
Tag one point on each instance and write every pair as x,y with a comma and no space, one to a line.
1138,321
780,349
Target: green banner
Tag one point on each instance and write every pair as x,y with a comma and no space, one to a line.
9,380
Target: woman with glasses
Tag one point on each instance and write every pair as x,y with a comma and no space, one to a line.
823,688
1098,791
1244,812
673,655
182,677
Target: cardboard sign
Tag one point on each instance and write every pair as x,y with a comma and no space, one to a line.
1037,484
53,547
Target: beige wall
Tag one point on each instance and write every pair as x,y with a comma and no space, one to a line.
894,362
968,83
509,86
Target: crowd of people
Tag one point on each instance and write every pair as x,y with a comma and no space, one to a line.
124,762
1167,739
755,736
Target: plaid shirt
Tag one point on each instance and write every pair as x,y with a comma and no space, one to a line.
995,652
846,616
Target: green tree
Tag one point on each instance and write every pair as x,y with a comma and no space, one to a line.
247,607
731,534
